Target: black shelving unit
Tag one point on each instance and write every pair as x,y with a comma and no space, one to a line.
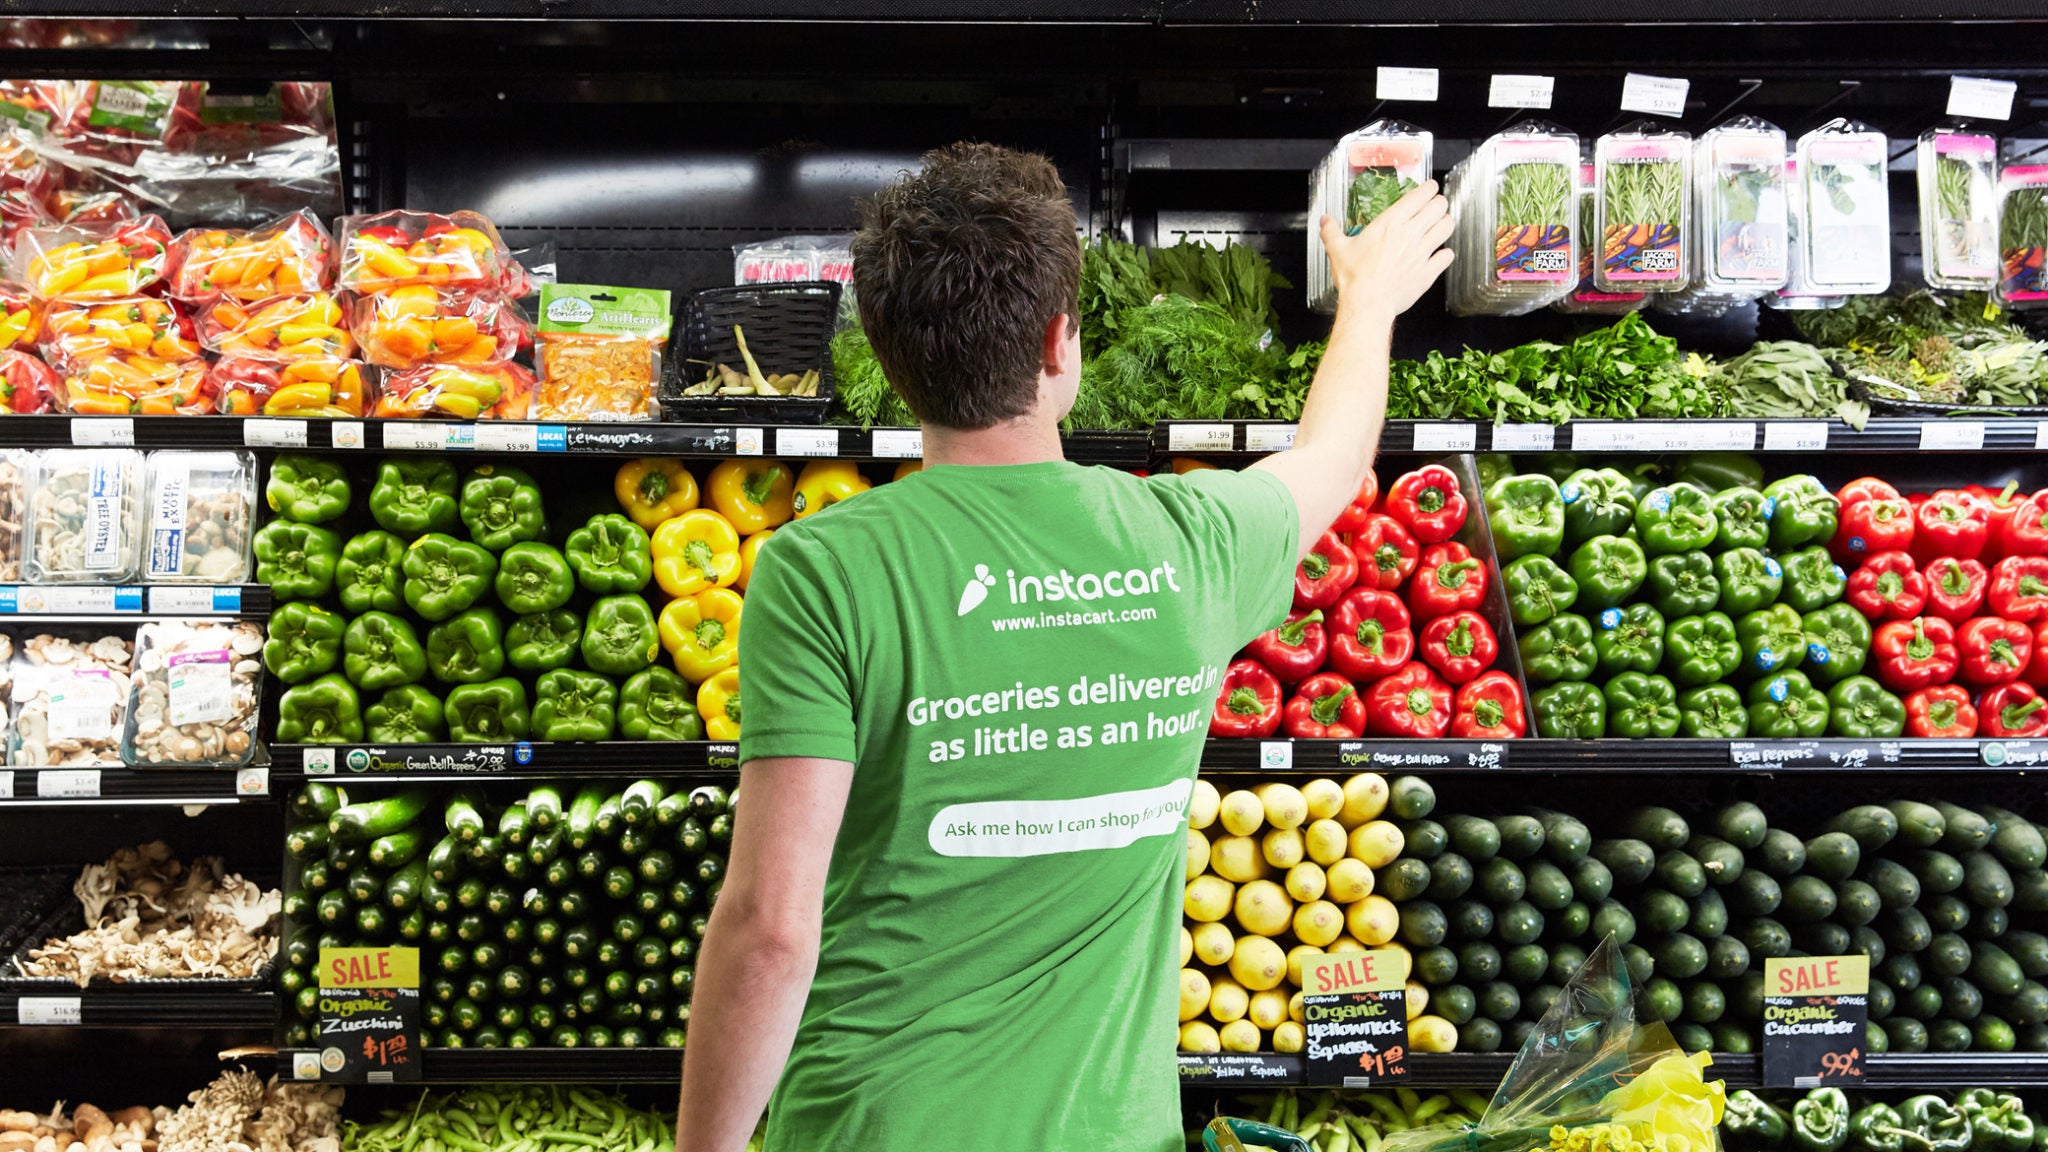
122,786
1653,757
520,760
126,1008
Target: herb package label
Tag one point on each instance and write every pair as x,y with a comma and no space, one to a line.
1588,297
1642,201
1742,191
2023,235
1847,230
1534,203
1381,171
1958,209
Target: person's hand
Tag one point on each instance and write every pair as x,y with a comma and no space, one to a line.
1384,269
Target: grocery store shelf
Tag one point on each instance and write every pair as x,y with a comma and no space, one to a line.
518,761
177,787
1222,438
96,603
1486,1070
123,1008
1658,757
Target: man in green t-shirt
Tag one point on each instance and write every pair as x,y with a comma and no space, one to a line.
975,701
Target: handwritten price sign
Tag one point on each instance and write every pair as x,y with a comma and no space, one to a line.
1816,1010
1355,1013
369,1015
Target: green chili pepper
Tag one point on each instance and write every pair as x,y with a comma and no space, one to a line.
1630,639
296,560
1683,584
1812,579
1676,518
1526,514
569,705
1597,502
1570,711
611,554
307,489
1860,707
1639,706
543,640
1701,649
1560,648
382,652
1608,570
407,714
501,507
305,641
487,713
468,648
1837,642
1787,705
1712,712
370,572
1804,512
533,577
1742,517
1537,589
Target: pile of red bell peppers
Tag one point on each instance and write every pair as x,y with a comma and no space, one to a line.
1955,583
1386,637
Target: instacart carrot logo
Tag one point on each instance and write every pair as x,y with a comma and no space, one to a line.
976,590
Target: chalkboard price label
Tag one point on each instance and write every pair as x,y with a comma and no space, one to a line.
1355,1012
1816,1010
369,1015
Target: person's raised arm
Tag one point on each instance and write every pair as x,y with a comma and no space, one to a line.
1379,273
761,949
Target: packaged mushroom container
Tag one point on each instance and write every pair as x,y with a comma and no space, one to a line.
201,516
70,691
196,689
14,470
85,505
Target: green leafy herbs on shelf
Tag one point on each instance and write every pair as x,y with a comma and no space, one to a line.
1786,379
864,396
1620,372
1181,358
1938,349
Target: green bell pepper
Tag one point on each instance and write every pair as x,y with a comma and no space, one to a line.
611,554
1749,580
306,489
1998,1121
444,575
1861,707
1787,705
1526,514
1493,466
487,713
296,560
305,641
533,577
1537,589
657,704
1570,711
619,636
1608,570
1560,648
542,640
501,506
569,705
1639,706
1743,518
1751,1124
407,714
1812,579
382,651
1597,502
1837,642
1820,1122
1719,471
1804,512
1876,1128
468,648
1712,712
323,711
1932,1124
1676,518
1772,639
370,572
1629,639
1701,649
1683,584
412,497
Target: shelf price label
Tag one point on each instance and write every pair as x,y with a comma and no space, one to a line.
1404,83
1524,437
1952,436
368,1020
1355,1012
1238,1068
898,443
48,1010
103,431
261,432
195,600
1975,98
1510,91
6,784
1655,95
1269,437
808,442
68,784
1446,437
1201,437
1795,436
1815,1011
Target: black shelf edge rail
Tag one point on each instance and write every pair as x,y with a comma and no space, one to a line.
1281,756
1226,438
118,785
517,760
124,1008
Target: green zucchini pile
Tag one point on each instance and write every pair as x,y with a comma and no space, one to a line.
569,917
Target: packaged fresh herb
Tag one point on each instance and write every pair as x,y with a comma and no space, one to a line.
1740,179
1799,293
1517,207
1368,170
1958,208
1588,298
1643,175
1847,208
2023,236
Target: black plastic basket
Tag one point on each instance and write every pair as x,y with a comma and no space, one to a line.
27,897
68,918
789,329
1882,405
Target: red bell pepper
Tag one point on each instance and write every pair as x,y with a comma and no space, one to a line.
1951,523
1888,587
2019,587
2002,502
1370,635
1411,702
1448,580
1295,650
1325,706
1387,553
2026,532
1489,708
1354,515
1956,588
1428,502
1325,574
1943,710
1875,524
1459,646
1994,650
2037,668
1249,704
2011,710
1866,488
1915,653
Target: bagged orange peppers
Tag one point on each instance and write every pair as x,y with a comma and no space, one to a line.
459,392
21,317
311,386
289,256
280,328
414,325
136,325
393,249
95,261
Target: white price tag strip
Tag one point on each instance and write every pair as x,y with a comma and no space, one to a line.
1269,437
807,441
1524,437
495,437
6,785
346,433
899,443
1655,95
1200,437
103,431
68,783
1974,98
1511,91
1711,437
1446,437
1604,437
77,599
48,1010
411,437
1405,84
1796,436
258,432
197,599
1952,436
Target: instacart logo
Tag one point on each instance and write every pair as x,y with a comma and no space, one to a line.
976,590
1064,585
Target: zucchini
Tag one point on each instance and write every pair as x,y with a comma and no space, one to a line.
691,836
633,1038
477,987
297,904
669,1038
648,901
547,932
546,986
649,955
582,817
440,930
681,980
708,801
636,804
618,883
673,809
347,858
517,866
488,956
397,849
373,922
509,1016
558,873
721,828
597,1036
471,892
513,982
500,900
711,893
472,929
434,1015
682,947
577,977
619,985
307,842
363,887
449,1038
483,849
682,893
536,902
657,867
630,1011
544,845
544,807
512,826
515,930
444,863
521,1038
367,821
590,865
541,1016
488,1037
578,943
539,958
637,841
565,1037
607,822
646,987
573,905
711,868
627,928
466,1015
442,990
464,816
414,926
698,923
316,800
590,1002
316,876
669,924
407,887
610,954
658,1013
300,953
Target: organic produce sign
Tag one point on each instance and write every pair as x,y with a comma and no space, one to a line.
1355,1012
369,1021
1815,1012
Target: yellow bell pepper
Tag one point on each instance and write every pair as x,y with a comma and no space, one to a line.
702,633
907,468
695,551
1182,465
653,490
750,550
718,702
824,483
752,494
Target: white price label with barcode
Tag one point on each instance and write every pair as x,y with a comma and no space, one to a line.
807,441
259,432
411,437
899,443
48,1010
1975,98
1604,437
1711,436
1952,436
495,437
103,431
1655,95
1405,84
1446,437
1796,436
1269,437
68,783
6,785
1524,437
1511,91
1201,437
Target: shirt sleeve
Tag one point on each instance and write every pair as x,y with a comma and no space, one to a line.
1261,539
795,641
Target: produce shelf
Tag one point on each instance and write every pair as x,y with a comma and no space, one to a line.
124,1008
1477,1070
516,761
73,787
1225,438
33,604
1635,756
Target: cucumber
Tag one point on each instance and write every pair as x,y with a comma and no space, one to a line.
1938,872
1995,970
1832,857
1660,912
1520,836
316,800
607,822
1547,887
1630,861
1474,839
1755,894
1823,939
1612,918
1423,924
691,837
444,860
1565,839
1858,903
512,831
1948,955
1945,912
1920,825
2015,840
1723,862
464,817
2031,950
1468,920
407,887
307,842
397,849
1681,873
1808,900
544,807
1873,827
1404,879
582,816
1986,883
1896,885
1900,971
1573,921
1450,877
1990,924
672,810
1709,919
360,823
1960,999
1727,958
1742,824
2027,1006
1905,930
1965,831
636,803
1660,828
1592,881
1882,1000
1422,839
1782,854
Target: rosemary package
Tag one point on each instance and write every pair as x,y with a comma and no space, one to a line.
1642,209
1517,208
2023,236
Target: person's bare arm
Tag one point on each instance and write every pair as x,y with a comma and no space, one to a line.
761,949
1379,273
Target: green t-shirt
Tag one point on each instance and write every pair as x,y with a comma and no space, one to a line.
1021,662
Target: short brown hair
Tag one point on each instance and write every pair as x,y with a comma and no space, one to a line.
959,268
